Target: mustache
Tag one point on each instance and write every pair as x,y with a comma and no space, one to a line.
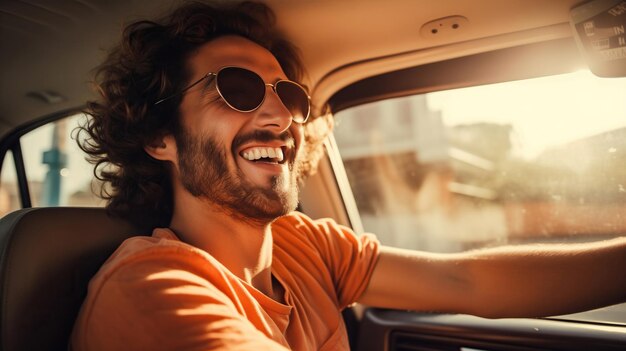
264,136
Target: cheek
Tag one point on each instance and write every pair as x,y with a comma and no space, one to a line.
221,126
297,131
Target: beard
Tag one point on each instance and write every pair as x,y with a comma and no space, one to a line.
204,172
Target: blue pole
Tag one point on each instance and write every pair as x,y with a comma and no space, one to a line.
56,160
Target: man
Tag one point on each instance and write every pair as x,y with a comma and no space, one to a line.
203,133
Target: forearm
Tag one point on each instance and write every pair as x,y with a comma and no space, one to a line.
542,280
515,281
419,281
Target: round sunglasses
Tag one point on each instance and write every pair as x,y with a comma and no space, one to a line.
244,90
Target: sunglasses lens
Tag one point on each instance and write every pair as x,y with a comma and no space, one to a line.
242,89
295,99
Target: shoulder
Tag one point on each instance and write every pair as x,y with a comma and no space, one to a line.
145,261
148,273
297,232
157,285
157,249
299,222
298,227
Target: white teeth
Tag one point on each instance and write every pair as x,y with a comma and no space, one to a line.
279,154
264,152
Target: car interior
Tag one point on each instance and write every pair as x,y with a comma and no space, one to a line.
398,163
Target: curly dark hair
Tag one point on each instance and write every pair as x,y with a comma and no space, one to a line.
148,64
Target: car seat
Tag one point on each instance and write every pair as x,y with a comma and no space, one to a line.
47,257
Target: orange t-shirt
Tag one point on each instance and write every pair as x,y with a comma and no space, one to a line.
158,293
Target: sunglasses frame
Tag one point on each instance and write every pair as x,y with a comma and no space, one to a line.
273,85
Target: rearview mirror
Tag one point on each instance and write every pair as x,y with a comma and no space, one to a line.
598,26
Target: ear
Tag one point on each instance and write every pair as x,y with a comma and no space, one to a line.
163,148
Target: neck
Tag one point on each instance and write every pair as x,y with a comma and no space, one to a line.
243,247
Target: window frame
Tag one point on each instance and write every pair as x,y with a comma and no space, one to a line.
514,63
12,142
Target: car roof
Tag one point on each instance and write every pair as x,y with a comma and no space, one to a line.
50,48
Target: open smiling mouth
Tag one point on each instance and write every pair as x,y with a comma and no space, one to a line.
272,155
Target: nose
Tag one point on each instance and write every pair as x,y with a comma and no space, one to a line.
273,114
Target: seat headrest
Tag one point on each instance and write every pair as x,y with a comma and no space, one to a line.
47,257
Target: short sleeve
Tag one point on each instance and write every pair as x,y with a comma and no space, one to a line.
349,259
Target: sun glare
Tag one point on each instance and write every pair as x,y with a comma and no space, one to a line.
544,112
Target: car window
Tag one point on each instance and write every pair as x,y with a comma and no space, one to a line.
9,193
56,169
531,161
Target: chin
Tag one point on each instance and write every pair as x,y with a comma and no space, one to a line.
264,204
282,202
